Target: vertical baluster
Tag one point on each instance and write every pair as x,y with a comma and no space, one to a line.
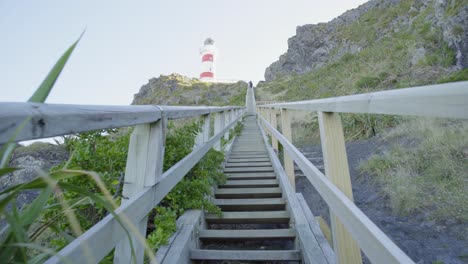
286,131
336,168
227,120
143,170
218,127
274,141
206,128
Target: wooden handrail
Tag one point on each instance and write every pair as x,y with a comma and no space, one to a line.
145,185
443,100
100,239
440,100
49,120
375,244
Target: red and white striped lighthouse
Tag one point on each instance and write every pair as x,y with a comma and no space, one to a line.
208,53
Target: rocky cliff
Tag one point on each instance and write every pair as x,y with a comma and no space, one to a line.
431,24
176,89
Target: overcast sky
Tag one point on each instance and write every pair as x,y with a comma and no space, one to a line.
128,42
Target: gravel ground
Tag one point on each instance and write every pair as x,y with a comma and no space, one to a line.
424,241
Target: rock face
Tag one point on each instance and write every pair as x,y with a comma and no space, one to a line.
30,160
315,45
176,89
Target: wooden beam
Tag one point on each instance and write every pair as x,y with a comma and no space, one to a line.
143,170
375,244
49,120
288,162
440,100
184,240
273,123
336,168
227,121
218,126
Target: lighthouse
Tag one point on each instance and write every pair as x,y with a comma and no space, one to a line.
208,53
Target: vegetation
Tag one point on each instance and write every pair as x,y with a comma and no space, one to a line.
176,89
77,194
426,169
371,69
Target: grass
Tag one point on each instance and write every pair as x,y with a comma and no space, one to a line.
371,69
427,170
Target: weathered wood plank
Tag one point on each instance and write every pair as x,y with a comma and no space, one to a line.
49,120
314,226
336,168
143,169
249,184
288,162
235,160
179,249
440,100
375,244
258,234
257,204
248,193
255,217
257,255
248,169
247,164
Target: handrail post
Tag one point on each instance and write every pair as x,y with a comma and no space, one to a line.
274,141
336,168
218,127
286,131
143,170
206,129
227,121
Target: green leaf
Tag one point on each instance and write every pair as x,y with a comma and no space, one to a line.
46,86
103,202
5,171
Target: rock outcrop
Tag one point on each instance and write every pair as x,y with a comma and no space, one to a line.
30,160
176,89
313,46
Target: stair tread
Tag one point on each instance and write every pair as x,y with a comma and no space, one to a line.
250,217
258,255
249,183
247,234
247,190
248,164
248,169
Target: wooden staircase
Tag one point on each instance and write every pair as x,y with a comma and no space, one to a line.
255,222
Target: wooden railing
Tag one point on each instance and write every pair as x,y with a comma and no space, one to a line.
352,230
145,183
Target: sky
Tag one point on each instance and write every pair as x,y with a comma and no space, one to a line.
128,42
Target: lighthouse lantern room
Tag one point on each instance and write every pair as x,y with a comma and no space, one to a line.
208,53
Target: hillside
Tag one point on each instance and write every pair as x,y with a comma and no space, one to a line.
382,44
176,89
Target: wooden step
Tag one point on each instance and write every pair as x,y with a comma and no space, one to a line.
245,255
259,234
249,184
248,169
258,204
251,175
255,217
248,164
239,193
236,160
